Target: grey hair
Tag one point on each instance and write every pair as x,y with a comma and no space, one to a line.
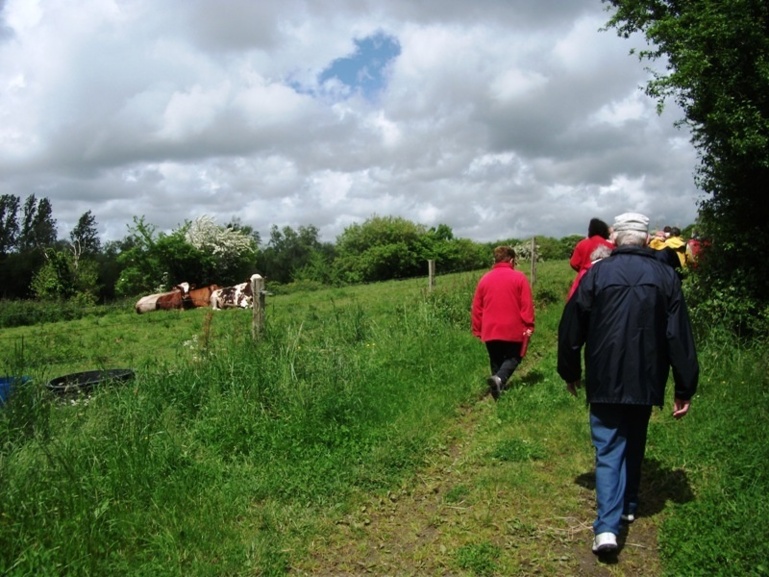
631,238
601,251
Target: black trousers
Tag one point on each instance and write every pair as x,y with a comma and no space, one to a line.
504,357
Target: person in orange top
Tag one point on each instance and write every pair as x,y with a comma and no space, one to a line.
503,317
597,235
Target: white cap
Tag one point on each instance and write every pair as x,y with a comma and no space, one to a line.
631,221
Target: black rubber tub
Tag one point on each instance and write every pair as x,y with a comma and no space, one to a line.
76,383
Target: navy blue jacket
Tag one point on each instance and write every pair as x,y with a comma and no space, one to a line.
630,315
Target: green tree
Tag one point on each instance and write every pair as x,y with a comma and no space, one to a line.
382,248
568,243
182,261
236,225
549,248
717,70
153,261
85,235
109,269
453,254
65,276
9,223
199,253
141,269
23,241
290,251
38,228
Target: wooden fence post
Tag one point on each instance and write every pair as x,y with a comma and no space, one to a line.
430,275
257,288
533,260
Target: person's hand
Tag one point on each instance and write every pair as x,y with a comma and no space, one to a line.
574,386
528,332
680,408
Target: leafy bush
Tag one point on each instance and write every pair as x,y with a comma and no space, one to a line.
725,306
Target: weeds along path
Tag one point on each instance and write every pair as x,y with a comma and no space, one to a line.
509,491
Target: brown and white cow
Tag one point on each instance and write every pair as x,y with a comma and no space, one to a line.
199,297
147,303
237,296
170,300
163,301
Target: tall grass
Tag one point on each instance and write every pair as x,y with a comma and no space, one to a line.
719,528
224,454
210,467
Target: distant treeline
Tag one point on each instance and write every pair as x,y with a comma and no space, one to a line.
34,263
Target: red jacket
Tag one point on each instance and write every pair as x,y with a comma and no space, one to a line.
580,258
503,307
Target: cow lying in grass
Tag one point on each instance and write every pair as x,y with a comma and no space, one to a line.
163,301
237,296
199,297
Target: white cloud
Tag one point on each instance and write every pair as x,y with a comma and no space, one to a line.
512,84
634,107
498,118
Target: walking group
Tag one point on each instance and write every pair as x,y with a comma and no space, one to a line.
626,315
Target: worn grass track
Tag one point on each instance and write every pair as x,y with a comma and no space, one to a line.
504,493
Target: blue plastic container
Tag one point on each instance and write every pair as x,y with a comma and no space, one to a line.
6,387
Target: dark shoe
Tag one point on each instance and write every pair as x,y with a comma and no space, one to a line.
495,386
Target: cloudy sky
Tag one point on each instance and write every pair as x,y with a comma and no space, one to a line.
499,118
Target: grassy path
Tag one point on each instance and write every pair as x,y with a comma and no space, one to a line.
505,493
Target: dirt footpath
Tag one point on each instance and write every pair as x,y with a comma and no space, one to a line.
464,515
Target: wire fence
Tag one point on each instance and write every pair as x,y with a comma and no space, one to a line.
115,336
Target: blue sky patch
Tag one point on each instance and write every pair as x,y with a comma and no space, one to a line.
364,71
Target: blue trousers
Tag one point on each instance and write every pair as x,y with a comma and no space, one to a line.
619,437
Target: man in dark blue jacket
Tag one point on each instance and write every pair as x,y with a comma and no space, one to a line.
630,315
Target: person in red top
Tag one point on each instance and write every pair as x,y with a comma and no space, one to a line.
503,317
597,235
600,253
693,250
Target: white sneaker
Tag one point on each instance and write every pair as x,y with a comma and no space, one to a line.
604,543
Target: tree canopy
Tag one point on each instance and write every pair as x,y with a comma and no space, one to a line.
85,236
717,69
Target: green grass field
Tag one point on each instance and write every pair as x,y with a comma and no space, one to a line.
355,437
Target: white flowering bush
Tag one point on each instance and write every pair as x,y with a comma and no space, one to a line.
204,234
523,252
232,251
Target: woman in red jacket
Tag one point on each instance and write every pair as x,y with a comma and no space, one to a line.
597,235
503,317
